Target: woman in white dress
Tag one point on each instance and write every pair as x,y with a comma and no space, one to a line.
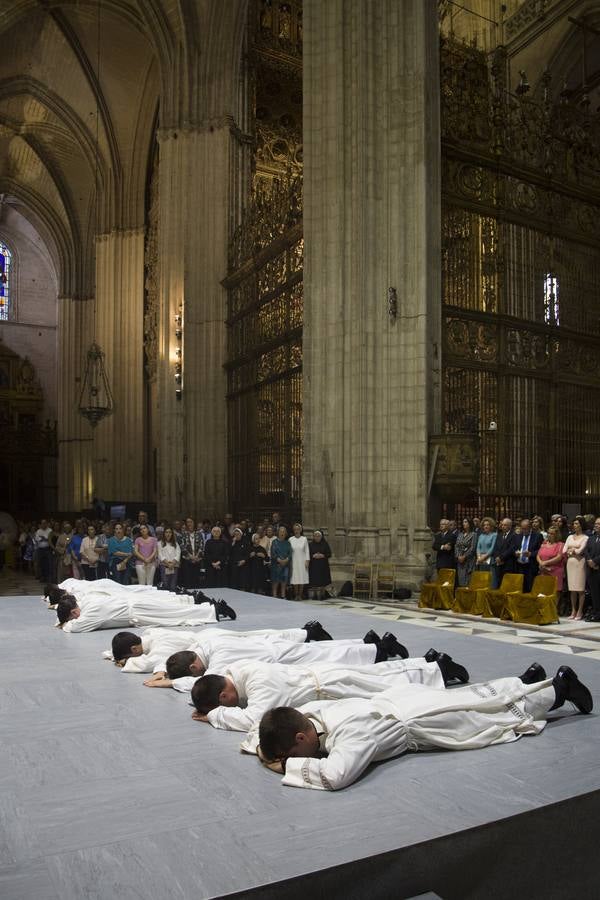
300,561
574,550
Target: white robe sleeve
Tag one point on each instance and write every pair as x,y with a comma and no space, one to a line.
91,619
352,752
145,663
185,683
233,718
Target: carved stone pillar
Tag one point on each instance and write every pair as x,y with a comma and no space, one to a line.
106,461
118,460
75,445
196,207
371,222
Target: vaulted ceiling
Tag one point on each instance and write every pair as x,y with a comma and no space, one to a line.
81,82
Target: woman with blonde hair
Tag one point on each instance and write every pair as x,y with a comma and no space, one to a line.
485,561
574,550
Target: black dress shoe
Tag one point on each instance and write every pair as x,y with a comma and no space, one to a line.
224,611
393,647
568,687
316,632
431,655
451,671
533,674
371,637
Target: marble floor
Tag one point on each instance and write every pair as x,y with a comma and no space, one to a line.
108,789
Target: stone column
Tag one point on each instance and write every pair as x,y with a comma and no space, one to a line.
195,204
106,461
75,444
118,460
371,222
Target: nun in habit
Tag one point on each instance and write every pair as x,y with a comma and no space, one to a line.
216,558
319,575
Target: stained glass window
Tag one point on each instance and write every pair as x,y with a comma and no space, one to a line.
551,303
5,265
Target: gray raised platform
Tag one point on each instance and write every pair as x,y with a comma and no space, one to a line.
109,790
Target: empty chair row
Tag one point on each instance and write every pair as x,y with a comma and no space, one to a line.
536,607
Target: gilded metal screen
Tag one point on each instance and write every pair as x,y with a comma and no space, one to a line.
264,282
264,353
521,289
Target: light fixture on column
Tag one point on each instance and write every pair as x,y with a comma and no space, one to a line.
96,399
179,352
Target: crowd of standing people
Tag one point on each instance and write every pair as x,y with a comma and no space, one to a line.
270,557
569,551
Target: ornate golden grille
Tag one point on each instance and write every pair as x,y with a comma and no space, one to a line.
264,367
521,288
264,283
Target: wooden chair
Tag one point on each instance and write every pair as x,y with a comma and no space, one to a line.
362,585
538,607
470,599
439,594
385,576
494,601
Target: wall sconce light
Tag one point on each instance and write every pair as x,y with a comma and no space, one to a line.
178,376
392,304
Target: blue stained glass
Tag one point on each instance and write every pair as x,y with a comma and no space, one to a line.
5,261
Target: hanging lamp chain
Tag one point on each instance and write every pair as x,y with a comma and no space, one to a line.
96,400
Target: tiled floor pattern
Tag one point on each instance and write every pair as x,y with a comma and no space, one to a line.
580,638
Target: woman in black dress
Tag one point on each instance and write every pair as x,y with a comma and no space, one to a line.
319,576
259,565
216,557
239,552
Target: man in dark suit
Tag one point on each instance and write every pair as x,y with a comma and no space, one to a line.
505,548
443,543
592,561
526,553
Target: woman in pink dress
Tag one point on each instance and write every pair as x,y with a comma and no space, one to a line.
551,557
575,552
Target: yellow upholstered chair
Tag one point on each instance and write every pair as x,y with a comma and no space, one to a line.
470,599
494,601
538,607
439,594
362,586
385,575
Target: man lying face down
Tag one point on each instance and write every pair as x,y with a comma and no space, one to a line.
149,652
327,745
217,651
93,612
237,699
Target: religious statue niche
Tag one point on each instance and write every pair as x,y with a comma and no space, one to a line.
520,249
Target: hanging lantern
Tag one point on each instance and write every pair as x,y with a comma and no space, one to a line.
96,400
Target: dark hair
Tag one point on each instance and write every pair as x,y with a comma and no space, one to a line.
470,521
122,644
179,663
54,593
65,607
205,693
278,729
173,540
